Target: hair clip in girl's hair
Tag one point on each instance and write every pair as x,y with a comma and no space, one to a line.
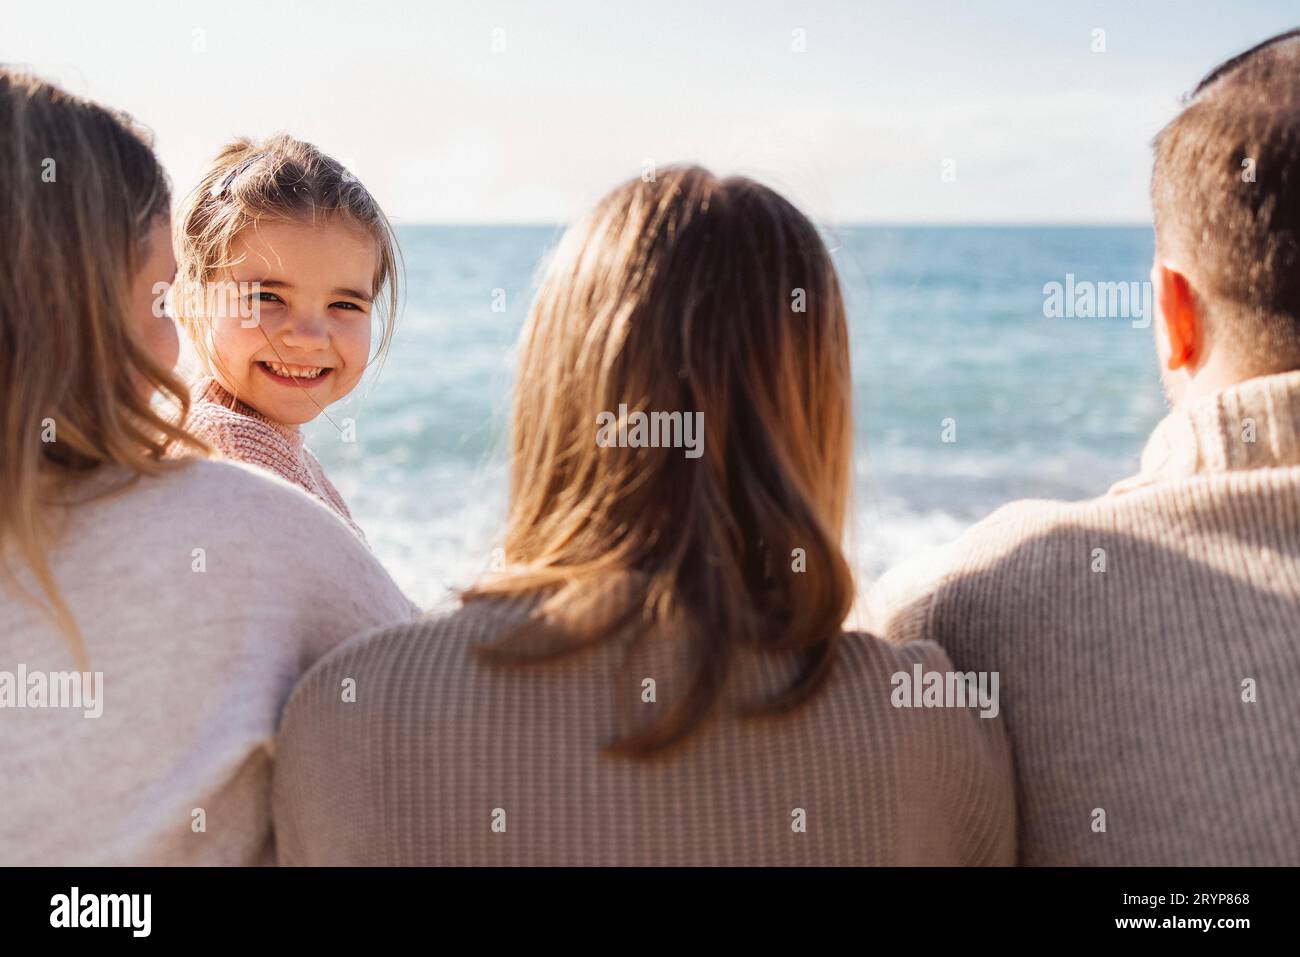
219,187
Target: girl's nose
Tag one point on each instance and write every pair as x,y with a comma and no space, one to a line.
305,330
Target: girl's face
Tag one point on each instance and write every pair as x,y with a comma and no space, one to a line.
307,340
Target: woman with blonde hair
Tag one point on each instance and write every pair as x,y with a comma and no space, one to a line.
156,611
658,675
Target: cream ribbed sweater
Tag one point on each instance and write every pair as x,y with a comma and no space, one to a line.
1127,631
443,760
203,595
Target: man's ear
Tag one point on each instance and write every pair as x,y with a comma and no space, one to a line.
1183,323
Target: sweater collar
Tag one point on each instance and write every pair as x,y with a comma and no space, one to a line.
210,390
1252,425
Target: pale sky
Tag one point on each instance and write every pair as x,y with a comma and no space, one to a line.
443,125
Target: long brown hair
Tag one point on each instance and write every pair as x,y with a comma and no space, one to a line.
80,192
684,293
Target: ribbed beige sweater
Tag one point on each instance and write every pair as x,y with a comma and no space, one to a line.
437,749
1123,688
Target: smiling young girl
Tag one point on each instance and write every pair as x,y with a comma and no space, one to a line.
283,258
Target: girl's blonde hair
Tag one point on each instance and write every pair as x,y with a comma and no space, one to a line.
692,294
79,194
280,180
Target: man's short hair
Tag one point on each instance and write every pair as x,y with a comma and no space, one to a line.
1226,196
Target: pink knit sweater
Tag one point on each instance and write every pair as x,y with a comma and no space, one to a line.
240,432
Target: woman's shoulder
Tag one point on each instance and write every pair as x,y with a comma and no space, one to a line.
258,520
214,549
946,725
914,690
228,488
407,652
864,653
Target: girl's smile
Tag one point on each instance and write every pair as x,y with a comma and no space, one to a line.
295,376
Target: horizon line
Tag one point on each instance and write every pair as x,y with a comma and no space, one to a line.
847,224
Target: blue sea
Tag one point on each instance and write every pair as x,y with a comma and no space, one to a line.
949,338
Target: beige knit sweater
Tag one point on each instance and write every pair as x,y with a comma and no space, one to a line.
443,760
202,596
1148,643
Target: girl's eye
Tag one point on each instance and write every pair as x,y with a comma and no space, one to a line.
267,297
346,305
